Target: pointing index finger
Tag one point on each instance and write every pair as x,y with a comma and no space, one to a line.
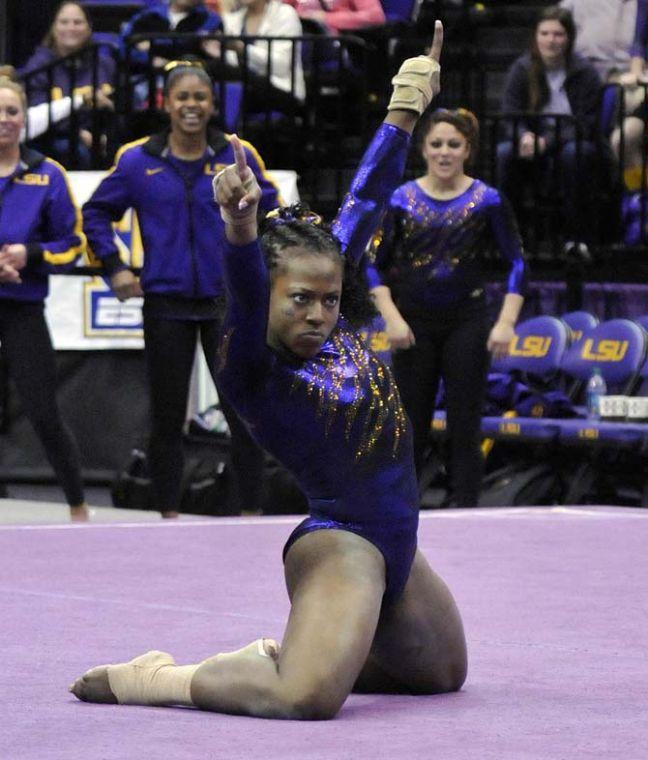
437,41
239,158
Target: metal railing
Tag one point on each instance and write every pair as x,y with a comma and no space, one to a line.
42,85
322,134
308,86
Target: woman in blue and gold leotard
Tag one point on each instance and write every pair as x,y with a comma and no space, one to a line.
429,286
367,611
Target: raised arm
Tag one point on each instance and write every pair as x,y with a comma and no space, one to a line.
244,350
381,169
238,194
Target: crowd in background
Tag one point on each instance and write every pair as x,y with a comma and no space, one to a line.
281,87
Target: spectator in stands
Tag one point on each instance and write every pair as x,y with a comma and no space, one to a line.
182,16
636,108
41,117
612,35
552,79
604,32
167,180
65,76
432,295
269,18
40,230
340,16
639,47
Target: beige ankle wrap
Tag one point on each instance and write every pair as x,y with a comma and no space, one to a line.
152,679
413,89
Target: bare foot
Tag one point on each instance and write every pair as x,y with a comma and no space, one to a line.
80,513
93,686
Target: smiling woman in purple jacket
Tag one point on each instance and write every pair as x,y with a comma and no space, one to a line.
40,233
166,178
69,33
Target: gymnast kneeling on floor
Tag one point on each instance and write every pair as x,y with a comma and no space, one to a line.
367,612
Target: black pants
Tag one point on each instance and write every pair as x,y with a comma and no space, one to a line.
450,344
170,346
27,349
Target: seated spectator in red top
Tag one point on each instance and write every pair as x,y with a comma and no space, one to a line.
341,15
69,33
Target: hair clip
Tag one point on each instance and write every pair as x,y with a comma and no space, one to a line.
186,63
297,212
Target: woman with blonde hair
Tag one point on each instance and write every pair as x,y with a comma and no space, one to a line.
41,232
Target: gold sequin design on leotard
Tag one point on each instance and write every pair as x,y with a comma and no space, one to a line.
446,223
347,370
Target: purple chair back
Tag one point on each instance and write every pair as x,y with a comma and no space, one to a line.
537,349
616,347
643,321
579,322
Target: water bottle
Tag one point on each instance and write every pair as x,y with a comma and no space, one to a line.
596,388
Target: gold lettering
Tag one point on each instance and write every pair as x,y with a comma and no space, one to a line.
33,179
533,346
605,351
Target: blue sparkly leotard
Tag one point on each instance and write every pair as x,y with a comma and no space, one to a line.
433,250
335,421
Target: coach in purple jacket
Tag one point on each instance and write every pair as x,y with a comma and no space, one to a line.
167,180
